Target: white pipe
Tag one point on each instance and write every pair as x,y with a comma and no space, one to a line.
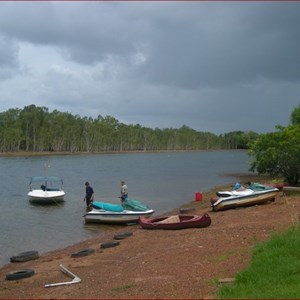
76,279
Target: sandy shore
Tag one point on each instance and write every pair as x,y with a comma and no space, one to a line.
157,264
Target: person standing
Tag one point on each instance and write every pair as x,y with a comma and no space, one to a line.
89,194
124,191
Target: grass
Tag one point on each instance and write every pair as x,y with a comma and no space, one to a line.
274,272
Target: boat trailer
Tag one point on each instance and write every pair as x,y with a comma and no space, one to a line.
75,279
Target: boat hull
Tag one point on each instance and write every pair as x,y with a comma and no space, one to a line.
175,222
46,190
46,197
126,216
224,203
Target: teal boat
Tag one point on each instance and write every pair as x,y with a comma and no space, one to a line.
127,212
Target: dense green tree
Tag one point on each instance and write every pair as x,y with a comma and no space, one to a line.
278,153
295,116
10,130
239,139
32,120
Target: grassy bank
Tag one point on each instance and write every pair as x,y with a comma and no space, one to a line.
274,272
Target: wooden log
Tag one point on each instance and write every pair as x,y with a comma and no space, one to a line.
226,280
291,188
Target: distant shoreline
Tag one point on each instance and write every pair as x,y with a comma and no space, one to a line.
50,153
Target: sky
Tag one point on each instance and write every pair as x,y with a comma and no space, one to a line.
216,66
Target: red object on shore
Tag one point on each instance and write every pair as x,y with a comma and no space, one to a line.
198,196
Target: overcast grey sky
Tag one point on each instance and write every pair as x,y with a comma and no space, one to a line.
213,66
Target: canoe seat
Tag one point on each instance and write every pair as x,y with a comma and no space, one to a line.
171,219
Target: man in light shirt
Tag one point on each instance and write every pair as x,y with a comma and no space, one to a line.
124,191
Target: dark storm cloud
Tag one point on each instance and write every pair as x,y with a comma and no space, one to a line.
260,41
8,57
85,32
8,52
214,66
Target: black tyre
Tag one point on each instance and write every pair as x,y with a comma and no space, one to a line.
84,252
19,274
123,235
25,256
109,244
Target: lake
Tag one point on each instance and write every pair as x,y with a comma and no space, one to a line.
163,181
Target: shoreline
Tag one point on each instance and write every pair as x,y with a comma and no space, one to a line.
14,246
189,206
49,153
155,264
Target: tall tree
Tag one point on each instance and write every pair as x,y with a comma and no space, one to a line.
278,153
295,116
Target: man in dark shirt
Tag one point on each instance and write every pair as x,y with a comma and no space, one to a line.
89,194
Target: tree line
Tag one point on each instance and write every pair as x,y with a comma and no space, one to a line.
36,129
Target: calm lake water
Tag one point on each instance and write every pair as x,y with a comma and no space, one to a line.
163,181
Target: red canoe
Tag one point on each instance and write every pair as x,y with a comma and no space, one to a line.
175,222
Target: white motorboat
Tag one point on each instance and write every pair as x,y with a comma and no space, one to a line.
46,190
255,194
128,212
